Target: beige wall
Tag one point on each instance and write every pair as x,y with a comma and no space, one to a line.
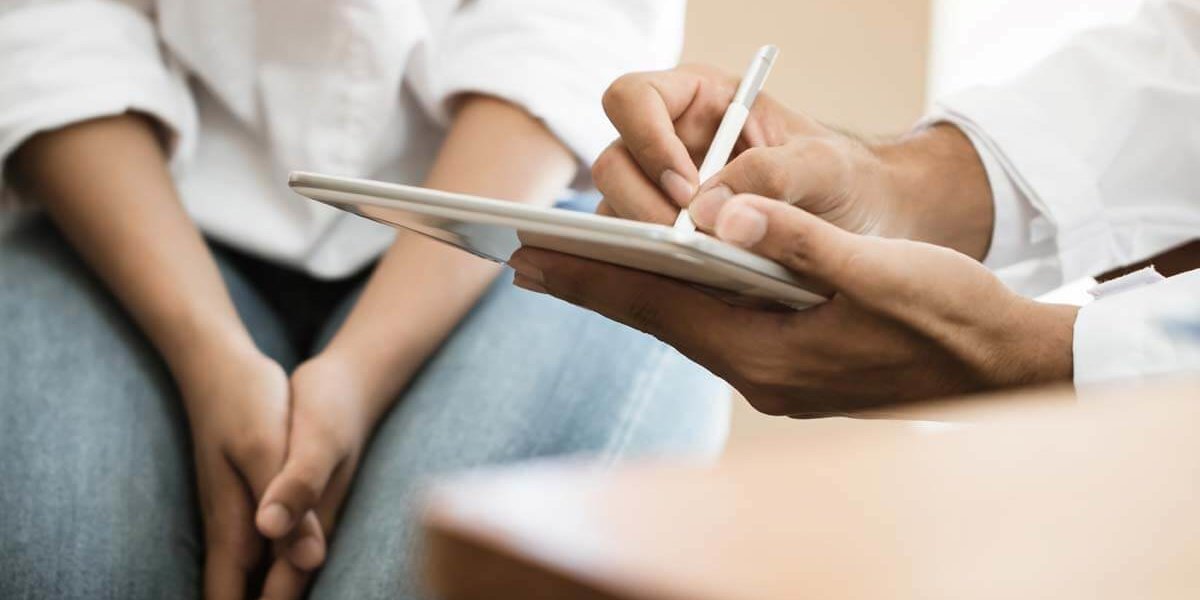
859,64
854,63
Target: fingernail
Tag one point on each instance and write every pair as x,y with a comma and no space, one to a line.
526,283
275,519
307,553
677,187
741,225
707,206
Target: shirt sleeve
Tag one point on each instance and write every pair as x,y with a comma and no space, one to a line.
554,58
1093,151
1141,333
67,61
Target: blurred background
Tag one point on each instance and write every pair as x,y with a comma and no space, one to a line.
873,66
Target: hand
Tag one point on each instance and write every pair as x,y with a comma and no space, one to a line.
928,186
237,406
908,320
329,427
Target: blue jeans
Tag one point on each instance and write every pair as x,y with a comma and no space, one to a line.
96,486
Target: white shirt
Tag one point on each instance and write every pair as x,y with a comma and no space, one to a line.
250,89
1093,157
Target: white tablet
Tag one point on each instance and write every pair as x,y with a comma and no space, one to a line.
494,229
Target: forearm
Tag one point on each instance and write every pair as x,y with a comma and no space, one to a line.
106,185
941,189
422,288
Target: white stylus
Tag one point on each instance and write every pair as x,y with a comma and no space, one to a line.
731,124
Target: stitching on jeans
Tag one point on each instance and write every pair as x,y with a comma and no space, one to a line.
643,387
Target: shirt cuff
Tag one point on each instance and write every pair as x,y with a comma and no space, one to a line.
1139,333
552,58
1013,214
1059,186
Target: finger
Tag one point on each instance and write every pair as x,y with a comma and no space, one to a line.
232,547
604,210
305,547
297,489
224,579
336,491
802,242
809,174
690,320
285,581
258,458
626,190
643,107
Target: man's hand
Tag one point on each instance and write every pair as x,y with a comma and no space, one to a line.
929,186
237,406
330,426
908,320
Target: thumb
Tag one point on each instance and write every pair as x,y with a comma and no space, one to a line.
806,244
295,491
912,282
808,174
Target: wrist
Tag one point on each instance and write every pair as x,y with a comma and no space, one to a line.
1039,349
368,385
939,190
198,355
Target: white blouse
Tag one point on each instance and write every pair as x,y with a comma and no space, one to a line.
1094,162
250,89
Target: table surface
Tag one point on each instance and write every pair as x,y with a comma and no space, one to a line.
1040,497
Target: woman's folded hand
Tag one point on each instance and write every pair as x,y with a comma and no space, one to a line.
329,428
237,406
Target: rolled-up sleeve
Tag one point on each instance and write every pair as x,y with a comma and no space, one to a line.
1141,333
554,58
66,61
1094,149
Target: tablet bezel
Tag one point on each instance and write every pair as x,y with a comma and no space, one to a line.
350,194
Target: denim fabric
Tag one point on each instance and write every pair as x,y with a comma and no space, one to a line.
96,491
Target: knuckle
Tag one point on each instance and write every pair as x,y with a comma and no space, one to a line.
769,404
857,261
621,90
825,154
606,164
711,76
648,149
308,483
796,250
765,173
757,370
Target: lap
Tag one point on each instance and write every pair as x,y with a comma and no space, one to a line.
524,376
98,496
97,499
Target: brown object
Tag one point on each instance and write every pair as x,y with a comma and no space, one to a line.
1038,498
1179,259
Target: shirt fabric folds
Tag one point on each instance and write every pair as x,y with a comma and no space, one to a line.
250,89
1093,157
